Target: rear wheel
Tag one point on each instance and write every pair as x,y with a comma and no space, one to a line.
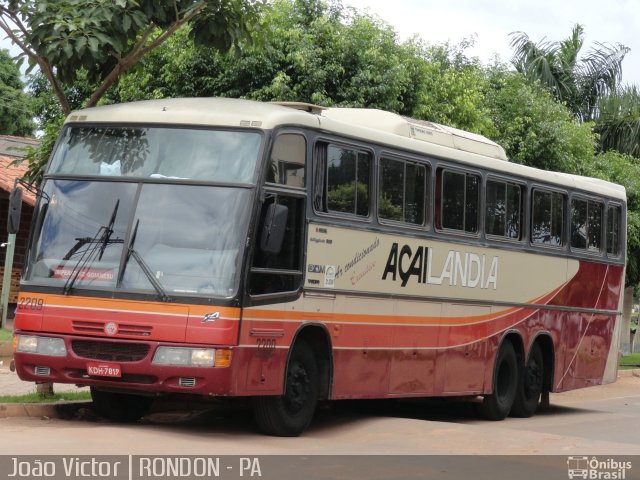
505,383
290,414
120,407
529,385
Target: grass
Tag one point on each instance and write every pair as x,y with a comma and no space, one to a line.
630,361
5,335
37,398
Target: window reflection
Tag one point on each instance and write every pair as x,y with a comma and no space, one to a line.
190,237
348,179
548,215
586,224
68,227
614,219
207,155
504,209
402,191
460,201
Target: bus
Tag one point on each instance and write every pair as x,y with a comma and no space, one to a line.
290,254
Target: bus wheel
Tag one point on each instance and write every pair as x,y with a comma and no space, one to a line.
120,407
505,383
529,385
290,414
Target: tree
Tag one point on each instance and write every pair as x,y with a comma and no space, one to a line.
580,82
102,39
533,128
619,121
453,89
308,51
15,106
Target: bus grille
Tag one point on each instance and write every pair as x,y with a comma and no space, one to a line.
83,326
108,351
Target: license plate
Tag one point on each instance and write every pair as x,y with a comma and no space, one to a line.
104,369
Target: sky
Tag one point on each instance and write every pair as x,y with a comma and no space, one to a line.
491,21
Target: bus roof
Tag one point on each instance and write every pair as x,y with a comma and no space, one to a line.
365,124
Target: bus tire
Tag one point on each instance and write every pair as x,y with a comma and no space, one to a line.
529,385
290,414
497,405
120,407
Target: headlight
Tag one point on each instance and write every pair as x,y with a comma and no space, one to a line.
53,347
196,357
27,344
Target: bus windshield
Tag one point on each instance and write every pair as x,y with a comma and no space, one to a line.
167,239
158,152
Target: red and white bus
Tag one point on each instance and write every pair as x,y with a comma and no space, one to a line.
294,253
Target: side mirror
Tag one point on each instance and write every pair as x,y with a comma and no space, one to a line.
15,208
275,224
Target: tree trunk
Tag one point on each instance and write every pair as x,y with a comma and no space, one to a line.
625,328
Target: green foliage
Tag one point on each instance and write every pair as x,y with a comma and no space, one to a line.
342,198
452,89
37,157
5,335
38,398
534,129
387,209
82,34
308,51
619,121
101,39
632,360
15,107
47,107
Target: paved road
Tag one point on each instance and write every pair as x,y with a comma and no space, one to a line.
599,420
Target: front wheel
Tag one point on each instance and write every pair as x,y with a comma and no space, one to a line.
120,407
505,383
290,414
529,385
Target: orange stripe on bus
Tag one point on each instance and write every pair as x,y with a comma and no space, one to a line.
62,301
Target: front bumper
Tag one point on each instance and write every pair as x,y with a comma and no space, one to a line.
134,359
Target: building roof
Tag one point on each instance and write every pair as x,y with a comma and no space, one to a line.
11,149
14,146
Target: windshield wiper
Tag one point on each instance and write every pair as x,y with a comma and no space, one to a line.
131,252
98,243
103,240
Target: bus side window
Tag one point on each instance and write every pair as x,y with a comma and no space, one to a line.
287,162
547,218
586,224
614,219
280,271
402,191
347,177
459,200
503,209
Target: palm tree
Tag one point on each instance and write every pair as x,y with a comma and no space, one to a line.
619,121
579,82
